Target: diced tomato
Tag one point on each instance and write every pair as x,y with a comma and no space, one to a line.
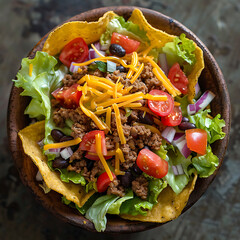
74,51
178,78
88,142
103,182
161,108
94,156
128,44
152,164
197,140
68,98
174,118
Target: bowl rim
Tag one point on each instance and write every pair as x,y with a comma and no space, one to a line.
130,226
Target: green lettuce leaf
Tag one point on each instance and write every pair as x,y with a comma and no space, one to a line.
128,28
177,183
184,103
212,126
155,186
39,86
206,164
135,207
115,207
181,50
75,177
97,212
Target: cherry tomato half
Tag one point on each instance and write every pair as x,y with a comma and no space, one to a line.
88,142
68,98
178,78
95,157
103,182
161,108
74,51
152,164
174,118
128,44
197,140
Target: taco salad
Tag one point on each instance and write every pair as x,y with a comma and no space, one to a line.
121,124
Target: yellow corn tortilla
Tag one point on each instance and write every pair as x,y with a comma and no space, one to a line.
169,206
30,136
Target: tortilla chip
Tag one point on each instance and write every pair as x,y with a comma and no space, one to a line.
30,136
169,206
89,31
156,34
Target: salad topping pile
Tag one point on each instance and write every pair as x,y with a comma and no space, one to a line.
121,120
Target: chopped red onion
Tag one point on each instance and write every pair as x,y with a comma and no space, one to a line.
162,61
97,45
201,103
178,137
111,66
66,153
73,68
55,151
168,134
178,169
197,89
39,177
180,142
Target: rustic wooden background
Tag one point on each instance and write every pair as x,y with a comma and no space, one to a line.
216,23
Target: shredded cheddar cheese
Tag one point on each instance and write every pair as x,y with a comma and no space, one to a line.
119,124
117,165
101,157
120,154
98,53
134,63
62,144
134,78
108,117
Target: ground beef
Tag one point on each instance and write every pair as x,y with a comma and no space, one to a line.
154,141
115,188
113,119
115,76
79,130
110,144
133,116
76,115
140,187
77,155
69,79
140,130
151,82
129,156
91,175
77,166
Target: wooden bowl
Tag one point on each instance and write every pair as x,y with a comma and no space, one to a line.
211,79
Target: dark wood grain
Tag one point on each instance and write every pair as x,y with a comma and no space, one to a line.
211,79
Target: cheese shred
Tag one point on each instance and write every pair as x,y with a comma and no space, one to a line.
119,124
62,144
101,157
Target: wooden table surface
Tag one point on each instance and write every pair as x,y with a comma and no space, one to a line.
217,214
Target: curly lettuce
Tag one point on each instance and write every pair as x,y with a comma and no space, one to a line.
39,84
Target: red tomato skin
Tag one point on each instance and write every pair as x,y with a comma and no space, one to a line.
128,44
68,98
178,78
174,118
161,108
95,157
88,142
197,140
74,51
152,164
103,181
